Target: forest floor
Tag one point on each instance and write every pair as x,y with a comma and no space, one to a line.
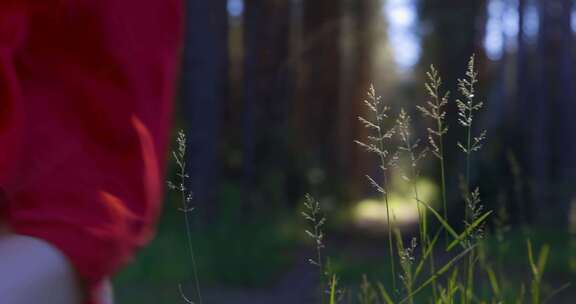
297,285
292,280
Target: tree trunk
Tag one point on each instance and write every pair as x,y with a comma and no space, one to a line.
266,83
204,83
554,144
315,109
358,41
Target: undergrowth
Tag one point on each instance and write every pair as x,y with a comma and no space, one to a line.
440,264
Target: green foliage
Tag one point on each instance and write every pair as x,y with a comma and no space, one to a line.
229,252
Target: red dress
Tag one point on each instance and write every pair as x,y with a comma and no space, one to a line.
85,102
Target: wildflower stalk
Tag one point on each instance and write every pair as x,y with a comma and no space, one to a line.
407,259
376,145
185,199
410,146
316,220
466,109
435,111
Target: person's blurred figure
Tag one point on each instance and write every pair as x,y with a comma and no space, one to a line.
85,102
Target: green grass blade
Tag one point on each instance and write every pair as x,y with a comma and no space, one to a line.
542,259
531,258
468,230
438,273
426,254
440,219
384,294
453,285
333,283
493,281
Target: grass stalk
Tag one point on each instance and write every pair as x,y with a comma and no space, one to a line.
185,200
466,110
376,145
316,220
435,110
409,146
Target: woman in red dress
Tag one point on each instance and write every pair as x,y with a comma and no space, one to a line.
85,101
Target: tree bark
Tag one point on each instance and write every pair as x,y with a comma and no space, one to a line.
554,143
266,83
204,83
315,109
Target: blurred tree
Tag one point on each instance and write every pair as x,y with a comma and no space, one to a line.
522,77
452,32
267,82
204,83
521,55
358,40
553,113
315,108
516,136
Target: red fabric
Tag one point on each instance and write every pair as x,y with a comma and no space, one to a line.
85,103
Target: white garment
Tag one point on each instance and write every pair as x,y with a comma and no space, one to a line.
32,271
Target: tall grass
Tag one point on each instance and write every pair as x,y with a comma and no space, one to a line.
376,143
315,232
185,197
464,252
448,280
435,109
